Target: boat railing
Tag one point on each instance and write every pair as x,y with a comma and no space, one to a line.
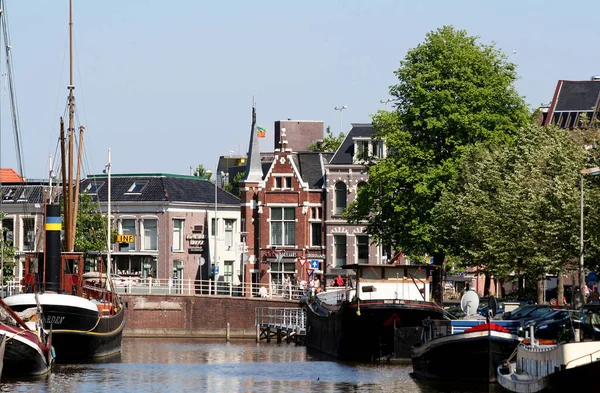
148,286
589,355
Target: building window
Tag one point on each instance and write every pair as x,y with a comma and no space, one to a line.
362,249
150,242
229,226
281,269
136,187
283,182
8,228
28,234
339,242
316,213
340,197
213,227
127,228
362,150
283,226
93,188
316,234
177,235
228,273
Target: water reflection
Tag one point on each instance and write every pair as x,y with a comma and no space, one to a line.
186,365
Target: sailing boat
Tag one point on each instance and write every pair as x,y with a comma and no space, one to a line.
82,308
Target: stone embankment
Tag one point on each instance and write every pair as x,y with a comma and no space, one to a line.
194,316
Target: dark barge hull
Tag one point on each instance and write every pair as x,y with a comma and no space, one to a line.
366,332
466,357
585,377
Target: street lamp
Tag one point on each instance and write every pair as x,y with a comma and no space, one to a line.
385,102
587,171
340,108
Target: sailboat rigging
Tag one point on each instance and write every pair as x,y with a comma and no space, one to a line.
78,299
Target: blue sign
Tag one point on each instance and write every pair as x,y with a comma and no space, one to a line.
592,277
217,269
314,264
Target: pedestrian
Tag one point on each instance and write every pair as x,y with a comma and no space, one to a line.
595,295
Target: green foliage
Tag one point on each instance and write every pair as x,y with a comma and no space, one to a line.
202,172
330,143
452,93
515,201
7,254
91,226
234,186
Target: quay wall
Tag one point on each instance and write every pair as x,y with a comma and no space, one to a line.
194,316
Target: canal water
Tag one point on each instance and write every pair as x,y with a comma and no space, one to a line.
194,365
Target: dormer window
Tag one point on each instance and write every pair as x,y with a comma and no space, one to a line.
136,188
366,149
93,188
23,196
10,194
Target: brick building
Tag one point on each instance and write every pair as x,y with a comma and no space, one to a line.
282,209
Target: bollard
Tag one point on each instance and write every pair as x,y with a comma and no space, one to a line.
257,333
228,332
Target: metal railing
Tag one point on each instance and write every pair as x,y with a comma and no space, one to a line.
195,287
285,318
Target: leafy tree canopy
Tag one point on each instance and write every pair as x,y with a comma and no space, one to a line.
515,202
452,93
330,143
90,234
202,172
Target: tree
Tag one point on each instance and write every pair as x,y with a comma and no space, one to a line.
515,206
90,235
330,143
202,172
7,255
234,186
452,93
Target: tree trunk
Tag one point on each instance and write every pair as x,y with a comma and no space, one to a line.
540,290
560,290
437,293
502,290
520,278
486,286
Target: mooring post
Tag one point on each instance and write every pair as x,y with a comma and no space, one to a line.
257,333
228,332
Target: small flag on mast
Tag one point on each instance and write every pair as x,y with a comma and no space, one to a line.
261,132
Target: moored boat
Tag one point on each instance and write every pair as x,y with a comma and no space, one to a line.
361,320
466,350
545,366
27,347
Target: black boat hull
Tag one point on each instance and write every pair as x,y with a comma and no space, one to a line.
467,357
585,377
24,356
366,332
79,331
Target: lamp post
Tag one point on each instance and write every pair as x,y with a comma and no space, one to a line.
340,108
587,171
385,102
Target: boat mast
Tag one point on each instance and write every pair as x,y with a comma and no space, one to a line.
109,223
72,196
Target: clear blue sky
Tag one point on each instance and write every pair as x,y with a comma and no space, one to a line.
169,85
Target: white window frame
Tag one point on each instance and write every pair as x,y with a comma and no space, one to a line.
284,227
358,248
143,222
229,231
337,197
338,260
24,234
178,234
131,246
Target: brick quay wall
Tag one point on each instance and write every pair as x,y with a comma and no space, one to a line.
194,316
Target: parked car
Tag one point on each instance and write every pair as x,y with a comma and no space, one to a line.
551,325
530,311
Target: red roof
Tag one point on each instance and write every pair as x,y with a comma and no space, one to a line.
8,175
